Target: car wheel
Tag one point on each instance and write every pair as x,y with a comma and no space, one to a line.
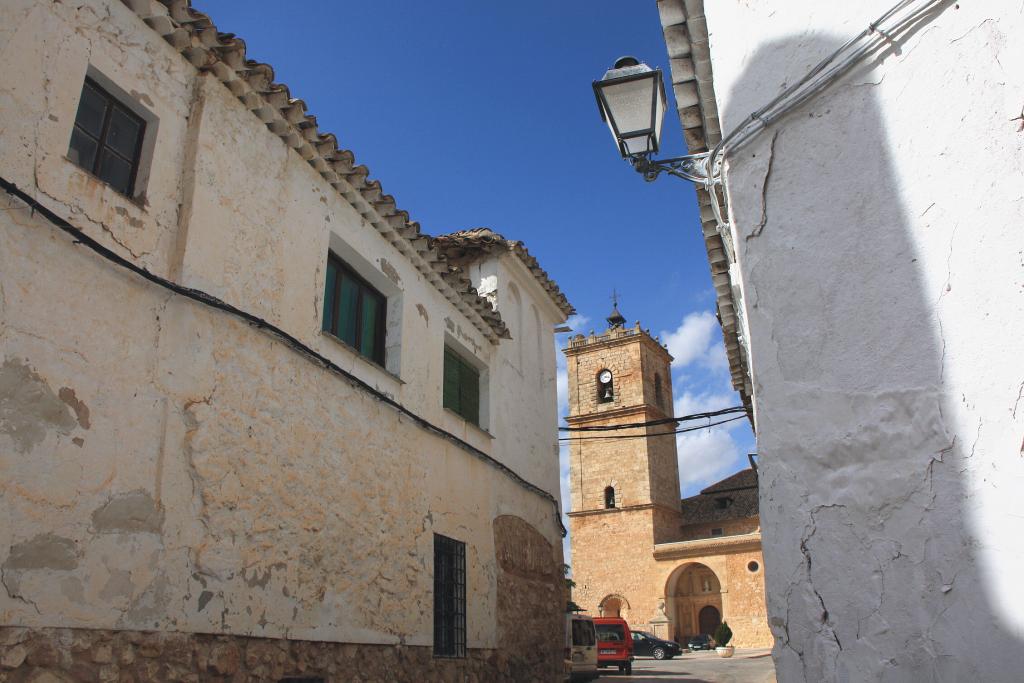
659,653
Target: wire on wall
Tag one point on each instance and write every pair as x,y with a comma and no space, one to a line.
882,32
213,302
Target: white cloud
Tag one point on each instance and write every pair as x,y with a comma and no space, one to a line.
706,456
694,340
577,322
562,382
688,403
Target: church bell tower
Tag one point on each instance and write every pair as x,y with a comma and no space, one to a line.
624,483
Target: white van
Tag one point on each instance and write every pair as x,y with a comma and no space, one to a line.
580,648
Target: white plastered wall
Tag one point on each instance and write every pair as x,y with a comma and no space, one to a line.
879,238
215,480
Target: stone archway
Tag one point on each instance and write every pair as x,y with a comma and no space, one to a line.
691,589
614,606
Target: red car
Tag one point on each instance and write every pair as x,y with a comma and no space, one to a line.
614,643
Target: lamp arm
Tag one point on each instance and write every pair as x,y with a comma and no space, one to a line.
692,167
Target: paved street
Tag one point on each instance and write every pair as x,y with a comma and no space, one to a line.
746,666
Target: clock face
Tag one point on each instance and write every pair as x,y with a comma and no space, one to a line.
605,376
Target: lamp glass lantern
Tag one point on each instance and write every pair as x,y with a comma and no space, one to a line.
631,98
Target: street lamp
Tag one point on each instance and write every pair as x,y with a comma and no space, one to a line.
631,98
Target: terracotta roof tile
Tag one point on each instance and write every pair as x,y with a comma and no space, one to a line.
463,245
744,479
739,491
194,35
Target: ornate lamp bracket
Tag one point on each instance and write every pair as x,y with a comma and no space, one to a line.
692,167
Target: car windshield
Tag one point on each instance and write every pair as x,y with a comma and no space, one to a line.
610,632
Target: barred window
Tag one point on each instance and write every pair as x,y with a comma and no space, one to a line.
449,597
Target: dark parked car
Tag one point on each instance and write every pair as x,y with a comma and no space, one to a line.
700,642
649,645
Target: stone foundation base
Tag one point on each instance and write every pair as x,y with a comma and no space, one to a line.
63,655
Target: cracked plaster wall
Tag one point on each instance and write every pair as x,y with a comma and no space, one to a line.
880,257
180,470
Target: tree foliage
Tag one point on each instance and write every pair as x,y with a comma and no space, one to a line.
723,634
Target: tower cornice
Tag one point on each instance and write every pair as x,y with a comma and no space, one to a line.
615,336
613,414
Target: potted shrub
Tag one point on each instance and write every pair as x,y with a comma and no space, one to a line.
723,634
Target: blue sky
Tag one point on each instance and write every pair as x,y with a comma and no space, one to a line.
482,114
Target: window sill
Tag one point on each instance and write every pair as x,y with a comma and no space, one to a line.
360,357
475,427
138,200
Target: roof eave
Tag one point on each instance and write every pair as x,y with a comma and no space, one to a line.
194,35
686,39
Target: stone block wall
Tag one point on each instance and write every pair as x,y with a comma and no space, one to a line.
64,655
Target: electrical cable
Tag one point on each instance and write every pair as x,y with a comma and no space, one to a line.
824,74
207,299
647,436
655,423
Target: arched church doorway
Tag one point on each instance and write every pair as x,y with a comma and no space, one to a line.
708,619
693,601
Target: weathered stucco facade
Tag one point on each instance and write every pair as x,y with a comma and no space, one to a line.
873,253
170,468
638,551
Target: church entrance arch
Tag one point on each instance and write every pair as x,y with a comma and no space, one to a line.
693,597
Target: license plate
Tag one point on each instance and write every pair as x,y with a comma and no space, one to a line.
606,652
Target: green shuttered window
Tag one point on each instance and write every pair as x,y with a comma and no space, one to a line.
461,387
354,312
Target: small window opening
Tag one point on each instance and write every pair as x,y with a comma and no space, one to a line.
354,311
449,597
609,497
723,503
106,139
605,387
461,387
753,566
716,531
658,396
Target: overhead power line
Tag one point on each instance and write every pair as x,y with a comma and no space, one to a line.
655,423
646,436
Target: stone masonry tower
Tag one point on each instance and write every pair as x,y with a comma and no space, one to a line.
624,491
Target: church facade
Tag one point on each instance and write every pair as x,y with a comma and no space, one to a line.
673,567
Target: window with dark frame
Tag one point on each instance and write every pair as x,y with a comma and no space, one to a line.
106,139
461,387
449,597
354,311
